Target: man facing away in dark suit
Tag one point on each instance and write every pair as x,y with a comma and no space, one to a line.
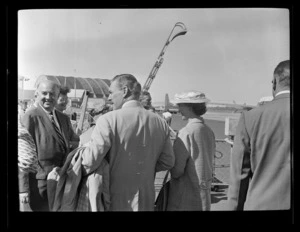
260,169
50,131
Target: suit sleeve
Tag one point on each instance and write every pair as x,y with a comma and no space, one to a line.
28,122
166,159
240,168
27,156
98,146
182,153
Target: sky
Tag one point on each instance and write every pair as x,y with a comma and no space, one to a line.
228,54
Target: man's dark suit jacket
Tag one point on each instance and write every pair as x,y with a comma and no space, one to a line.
261,158
49,148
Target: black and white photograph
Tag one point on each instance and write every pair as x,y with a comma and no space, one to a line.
154,109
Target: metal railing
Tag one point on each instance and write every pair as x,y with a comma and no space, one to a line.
221,164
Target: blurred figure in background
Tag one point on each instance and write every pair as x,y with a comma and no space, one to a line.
63,99
100,111
167,115
146,100
20,111
64,107
61,106
194,149
86,135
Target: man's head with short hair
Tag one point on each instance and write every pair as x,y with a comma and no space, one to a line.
123,88
64,90
47,94
281,77
62,100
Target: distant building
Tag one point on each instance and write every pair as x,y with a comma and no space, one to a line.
25,94
25,97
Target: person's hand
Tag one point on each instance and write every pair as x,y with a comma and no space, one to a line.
54,174
24,197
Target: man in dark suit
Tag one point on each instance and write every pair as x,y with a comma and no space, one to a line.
50,131
260,172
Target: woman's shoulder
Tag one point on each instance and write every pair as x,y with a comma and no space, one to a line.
193,126
196,128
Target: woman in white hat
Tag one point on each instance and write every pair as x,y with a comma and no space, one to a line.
194,149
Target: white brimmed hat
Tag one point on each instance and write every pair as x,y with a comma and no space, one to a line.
190,97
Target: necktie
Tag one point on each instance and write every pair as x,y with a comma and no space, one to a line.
60,136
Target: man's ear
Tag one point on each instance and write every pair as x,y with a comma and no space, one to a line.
274,84
126,92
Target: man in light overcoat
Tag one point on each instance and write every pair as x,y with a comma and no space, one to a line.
136,143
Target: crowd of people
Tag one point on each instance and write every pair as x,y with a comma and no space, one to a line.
112,167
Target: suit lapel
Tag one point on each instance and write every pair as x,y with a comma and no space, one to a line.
47,122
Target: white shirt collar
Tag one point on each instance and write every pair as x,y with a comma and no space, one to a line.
49,115
192,120
131,103
282,92
44,109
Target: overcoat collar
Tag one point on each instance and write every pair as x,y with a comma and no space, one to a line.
196,120
284,95
132,103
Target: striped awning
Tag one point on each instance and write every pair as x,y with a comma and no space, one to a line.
98,87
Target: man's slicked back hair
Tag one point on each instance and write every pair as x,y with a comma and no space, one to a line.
130,81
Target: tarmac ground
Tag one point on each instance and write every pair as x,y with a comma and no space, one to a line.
219,198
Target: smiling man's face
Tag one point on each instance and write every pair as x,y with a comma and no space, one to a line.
47,95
